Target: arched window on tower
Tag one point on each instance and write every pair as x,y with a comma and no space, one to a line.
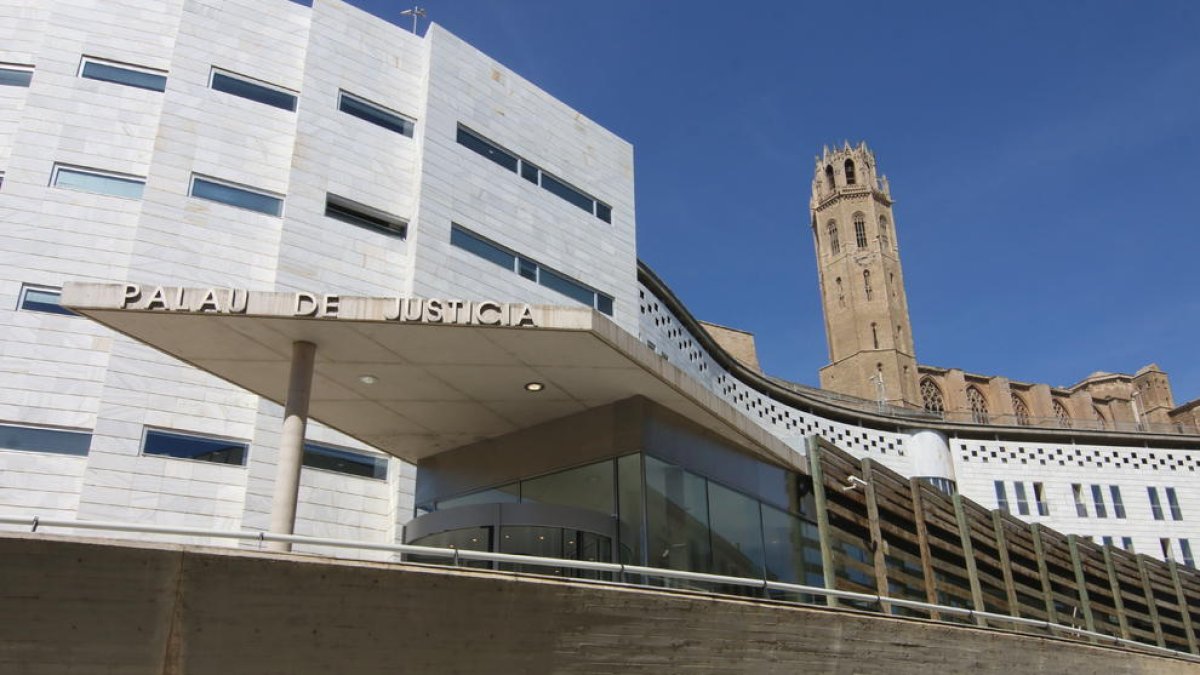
892,283
875,335
883,233
978,405
851,179
1020,410
867,283
835,246
828,176
1061,414
841,293
931,396
860,230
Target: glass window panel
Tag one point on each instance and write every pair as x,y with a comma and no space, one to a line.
737,544
527,268
629,509
1098,502
1118,503
604,303
1127,543
568,287
482,248
99,183
47,300
375,114
1077,494
792,548
587,487
253,91
1155,505
465,539
604,212
344,461
476,143
1173,502
199,448
1185,547
529,172
55,441
505,494
15,77
107,72
676,518
1022,501
236,196
1001,496
561,189
348,211
1039,495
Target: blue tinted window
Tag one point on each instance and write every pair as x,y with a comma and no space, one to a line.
236,196
604,212
199,448
604,303
47,300
484,249
567,192
568,287
34,439
529,172
99,183
377,115
347,211
15,77
470,140
344,461
527,268
253,91
106,72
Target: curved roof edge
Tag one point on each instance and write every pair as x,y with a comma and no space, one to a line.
819,405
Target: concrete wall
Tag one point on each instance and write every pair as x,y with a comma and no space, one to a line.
117,608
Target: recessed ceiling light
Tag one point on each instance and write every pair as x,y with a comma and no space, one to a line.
368,379
534,386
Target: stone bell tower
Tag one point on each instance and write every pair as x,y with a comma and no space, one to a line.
871,353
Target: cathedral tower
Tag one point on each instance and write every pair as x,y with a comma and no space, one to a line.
871,352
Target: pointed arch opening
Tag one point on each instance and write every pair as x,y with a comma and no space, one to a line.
851,178
835,246
867,283
884,242
977,402
1020,411
829,177
860,230
875,334
1061,414
931,396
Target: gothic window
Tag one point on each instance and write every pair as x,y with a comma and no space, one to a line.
850,178
899,335
931,396
883,233
1020,410
835,247
860,230
1099,417
1061,414
875,335
867,283
841,293
829,176
978,405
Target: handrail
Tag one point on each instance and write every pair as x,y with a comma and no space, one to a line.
619,570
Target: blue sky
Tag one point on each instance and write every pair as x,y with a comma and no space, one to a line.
1044,158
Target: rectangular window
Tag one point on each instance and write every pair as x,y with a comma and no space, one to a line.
1108,541
1127,543
344,461
15,76
567,192
1185,549
130,76
375,114
1165,544
1080,507
1098,502
349,211
261,92
1118,503
603,211
1155,505
36,439
1173,502
1022,500
473,243
199,448
476,143
97,182
1039,494
241,197
527,268
1001,496
568,287
531,173
42,299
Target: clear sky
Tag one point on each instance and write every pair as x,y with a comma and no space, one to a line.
1044,158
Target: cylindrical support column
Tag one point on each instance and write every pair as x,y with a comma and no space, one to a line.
291,444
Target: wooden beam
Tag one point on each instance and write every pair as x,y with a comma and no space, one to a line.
1089,621
914,486
964,535
1010,588
1044,573
813,444
1183,606
1114,583
1151,603
878,543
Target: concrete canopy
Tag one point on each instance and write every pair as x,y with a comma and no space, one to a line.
437,385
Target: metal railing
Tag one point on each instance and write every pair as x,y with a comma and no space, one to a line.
620,572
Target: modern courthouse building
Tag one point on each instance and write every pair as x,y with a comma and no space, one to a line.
213,209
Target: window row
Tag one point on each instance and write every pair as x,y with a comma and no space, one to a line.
535,272
533,174
225,451
1099,507
1021,496
42,439
1185,550
860,234
1156,507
